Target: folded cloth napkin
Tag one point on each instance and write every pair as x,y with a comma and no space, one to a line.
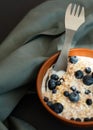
37,36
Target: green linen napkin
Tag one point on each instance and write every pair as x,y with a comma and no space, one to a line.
38,35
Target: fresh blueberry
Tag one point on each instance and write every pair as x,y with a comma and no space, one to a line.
49,103
72,118
74,97
58,82
78,74
54,91
87,70
91,119
86,119
87,91
46,99
89,102
88,80
78,119
54,76
73,59
66,93
57,107
92,74
51,84
77,91
73,88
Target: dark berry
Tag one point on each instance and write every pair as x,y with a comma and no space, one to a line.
87,70
73,88
54,91
77,119
49,103
78,74
91,119
54,76
66,93
46,99
92,74
89,101
51,84
74,97
58,82
73,59
86,119
77,91
88,80
87,91
57,107
72,118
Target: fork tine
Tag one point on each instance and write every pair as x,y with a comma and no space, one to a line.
74,10
68,11
77,11
82,13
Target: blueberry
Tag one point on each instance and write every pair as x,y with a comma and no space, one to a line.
51,84
58,82
73,59
49,103
86,119
54,91
54,76
72,118
88,80
92,74
74,97
73,88
87,91
77,91
91,119
66,93
78,119
78,74
57,107
46,99
89,102
87,70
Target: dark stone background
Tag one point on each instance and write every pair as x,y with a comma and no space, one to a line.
12,11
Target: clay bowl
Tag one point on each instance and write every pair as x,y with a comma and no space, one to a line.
48,63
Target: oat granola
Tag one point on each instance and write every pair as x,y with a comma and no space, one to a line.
70,93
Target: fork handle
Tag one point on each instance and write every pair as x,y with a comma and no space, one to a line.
61,63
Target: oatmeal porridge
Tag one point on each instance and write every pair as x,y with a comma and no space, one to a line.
70,93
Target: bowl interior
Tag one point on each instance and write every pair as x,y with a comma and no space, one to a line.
48,63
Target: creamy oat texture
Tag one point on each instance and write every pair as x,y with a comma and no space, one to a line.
79,109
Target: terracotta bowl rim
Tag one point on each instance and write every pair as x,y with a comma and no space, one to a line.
82,52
